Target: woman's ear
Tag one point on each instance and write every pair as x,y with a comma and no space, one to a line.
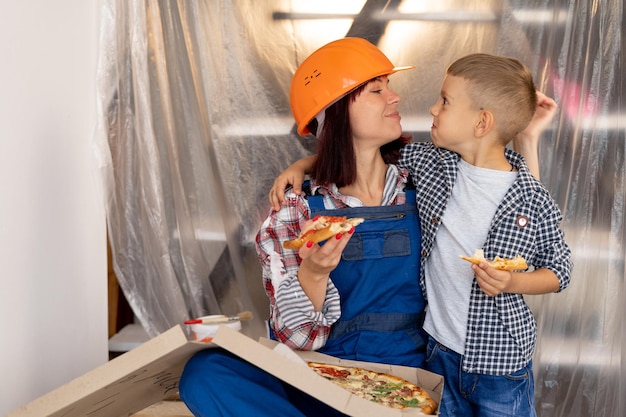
484,123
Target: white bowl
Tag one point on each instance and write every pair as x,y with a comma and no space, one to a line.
205,332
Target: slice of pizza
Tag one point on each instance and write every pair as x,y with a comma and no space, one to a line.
381,388
322,228
504,264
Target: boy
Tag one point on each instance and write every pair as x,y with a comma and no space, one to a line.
473,193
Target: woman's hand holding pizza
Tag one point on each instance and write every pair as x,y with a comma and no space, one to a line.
321,260
317,264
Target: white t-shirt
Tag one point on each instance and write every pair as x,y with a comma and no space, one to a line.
476,195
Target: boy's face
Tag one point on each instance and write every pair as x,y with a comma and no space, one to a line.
374,116
454,116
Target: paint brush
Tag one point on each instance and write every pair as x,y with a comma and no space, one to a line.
244,315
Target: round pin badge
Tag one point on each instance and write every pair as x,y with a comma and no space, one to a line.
522,221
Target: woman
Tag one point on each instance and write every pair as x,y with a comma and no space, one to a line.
356,296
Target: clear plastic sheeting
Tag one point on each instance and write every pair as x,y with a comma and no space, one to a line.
194,125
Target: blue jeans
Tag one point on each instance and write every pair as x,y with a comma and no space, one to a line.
467,394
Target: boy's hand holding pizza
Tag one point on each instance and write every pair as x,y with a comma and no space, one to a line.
492,281
496,276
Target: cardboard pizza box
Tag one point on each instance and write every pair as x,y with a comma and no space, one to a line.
150,372
334,395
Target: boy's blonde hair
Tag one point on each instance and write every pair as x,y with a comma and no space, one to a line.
501,85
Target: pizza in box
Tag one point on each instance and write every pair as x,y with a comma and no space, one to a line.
381,388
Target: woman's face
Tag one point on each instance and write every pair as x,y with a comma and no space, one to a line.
374,116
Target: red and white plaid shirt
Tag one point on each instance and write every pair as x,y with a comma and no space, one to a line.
292,317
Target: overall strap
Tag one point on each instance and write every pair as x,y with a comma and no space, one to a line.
316,201
410,191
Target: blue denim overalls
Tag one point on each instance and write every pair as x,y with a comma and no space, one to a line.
381,321
382,306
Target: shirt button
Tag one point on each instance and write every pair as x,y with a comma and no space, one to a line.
434,220
424,253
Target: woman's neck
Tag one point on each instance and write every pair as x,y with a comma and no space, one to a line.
370,182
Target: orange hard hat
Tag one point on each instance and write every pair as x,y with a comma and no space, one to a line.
333,71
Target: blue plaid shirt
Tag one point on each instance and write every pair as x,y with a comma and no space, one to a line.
501,330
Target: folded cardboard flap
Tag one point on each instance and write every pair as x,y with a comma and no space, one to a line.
127,384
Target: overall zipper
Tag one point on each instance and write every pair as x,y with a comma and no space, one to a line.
385,216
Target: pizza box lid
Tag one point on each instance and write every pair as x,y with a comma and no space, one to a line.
150,373
122,386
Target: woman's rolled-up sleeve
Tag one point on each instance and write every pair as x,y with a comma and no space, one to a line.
293,319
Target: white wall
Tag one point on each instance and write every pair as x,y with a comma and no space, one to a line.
53,281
